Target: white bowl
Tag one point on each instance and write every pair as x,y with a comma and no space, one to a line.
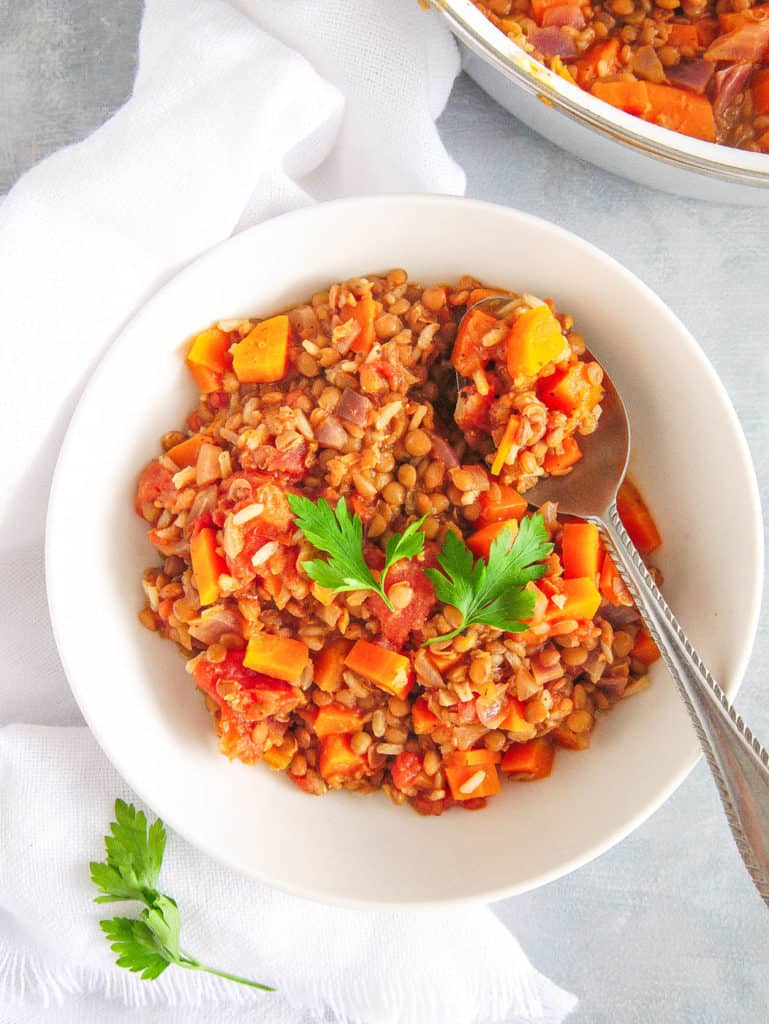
595,131
691,461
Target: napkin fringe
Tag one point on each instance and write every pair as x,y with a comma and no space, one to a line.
27,976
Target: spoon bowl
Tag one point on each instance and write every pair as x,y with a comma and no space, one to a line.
591,486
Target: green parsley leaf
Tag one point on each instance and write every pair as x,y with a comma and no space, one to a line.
136,946
339,533
492,593
146,945
134,856
405,545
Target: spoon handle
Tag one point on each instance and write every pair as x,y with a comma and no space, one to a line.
739,763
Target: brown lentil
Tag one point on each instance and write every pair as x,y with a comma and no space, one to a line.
580,721
418,442
407,475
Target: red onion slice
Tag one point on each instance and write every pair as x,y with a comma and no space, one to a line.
442,450
565,14
353,407
553,42
691,74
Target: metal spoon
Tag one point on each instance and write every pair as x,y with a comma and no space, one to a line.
738,762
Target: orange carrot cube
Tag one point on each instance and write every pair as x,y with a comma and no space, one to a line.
637,519
381,666
645,648
186,452
580,550
529,761
207,564
612,586
336,718
210,348
499,503
365,313
559,463
277,656
535,340
280,757
423,721
207,380
575,599
261,356
469,782
480,542
338,761
515,721
569,390
329,665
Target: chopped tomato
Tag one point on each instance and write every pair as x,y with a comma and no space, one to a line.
240,567
155,485
570,390
431,808
200,523
405,768
291,462
236,737
396,626
255,696
472,411
218,399
243,489
380,374
362,508
469,353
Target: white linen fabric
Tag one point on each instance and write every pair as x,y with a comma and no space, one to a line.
240,110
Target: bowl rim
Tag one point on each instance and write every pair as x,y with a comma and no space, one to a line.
363,203
714,160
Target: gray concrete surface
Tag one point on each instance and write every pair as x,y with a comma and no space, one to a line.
666,927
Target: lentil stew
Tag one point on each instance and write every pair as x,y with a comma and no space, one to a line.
349,399
699,67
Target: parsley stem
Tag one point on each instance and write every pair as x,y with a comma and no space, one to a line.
189,961
193,965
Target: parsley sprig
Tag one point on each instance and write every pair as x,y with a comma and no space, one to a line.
339,533
492,593
150,943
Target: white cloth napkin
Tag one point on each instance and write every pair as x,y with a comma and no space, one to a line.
240,110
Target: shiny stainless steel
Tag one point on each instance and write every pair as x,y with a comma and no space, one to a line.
721,163
739,763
